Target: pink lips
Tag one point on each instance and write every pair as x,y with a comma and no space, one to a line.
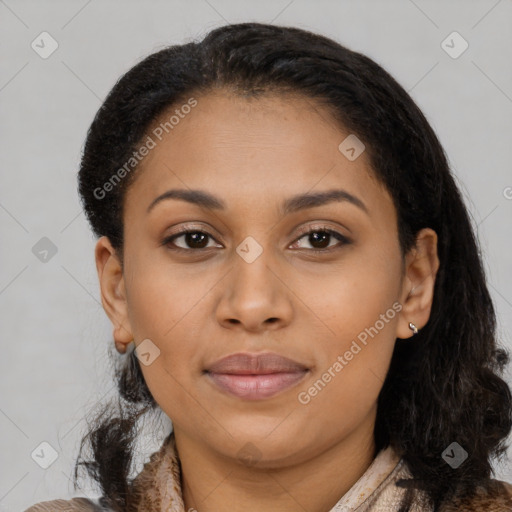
255,376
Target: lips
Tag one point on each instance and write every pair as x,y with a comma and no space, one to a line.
255,376
255,364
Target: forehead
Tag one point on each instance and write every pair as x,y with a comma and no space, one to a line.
250,151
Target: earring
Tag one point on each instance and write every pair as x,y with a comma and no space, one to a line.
413,327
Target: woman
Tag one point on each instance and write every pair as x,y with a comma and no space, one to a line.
293,279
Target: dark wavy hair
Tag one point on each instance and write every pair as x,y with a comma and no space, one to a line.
446,386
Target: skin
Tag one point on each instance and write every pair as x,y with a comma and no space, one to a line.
197,307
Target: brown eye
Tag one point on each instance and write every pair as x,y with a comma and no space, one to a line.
190,240
320,238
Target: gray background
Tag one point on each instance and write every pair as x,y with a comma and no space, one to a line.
53,330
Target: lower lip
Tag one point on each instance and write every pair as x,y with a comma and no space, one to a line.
256,387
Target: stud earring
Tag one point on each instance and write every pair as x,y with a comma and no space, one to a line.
413,327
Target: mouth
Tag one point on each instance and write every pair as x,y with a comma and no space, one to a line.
255,376
255,387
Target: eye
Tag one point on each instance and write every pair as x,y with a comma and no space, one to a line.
192,238
196,239
319,238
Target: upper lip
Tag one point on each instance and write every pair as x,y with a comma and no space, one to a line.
255,364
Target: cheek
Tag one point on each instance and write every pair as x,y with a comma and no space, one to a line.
163,296
169,306
358,308
355,296
162,308
352,363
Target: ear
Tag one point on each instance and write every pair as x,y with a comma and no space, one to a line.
113,296
421,266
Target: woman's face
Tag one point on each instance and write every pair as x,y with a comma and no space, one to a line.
253,282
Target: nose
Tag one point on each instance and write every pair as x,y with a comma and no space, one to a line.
254,297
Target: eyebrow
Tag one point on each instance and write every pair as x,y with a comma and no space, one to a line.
290,205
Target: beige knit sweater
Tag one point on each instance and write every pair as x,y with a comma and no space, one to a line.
159,490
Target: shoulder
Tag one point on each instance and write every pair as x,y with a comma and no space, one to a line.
72,505
496,496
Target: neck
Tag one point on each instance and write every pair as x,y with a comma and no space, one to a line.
211,480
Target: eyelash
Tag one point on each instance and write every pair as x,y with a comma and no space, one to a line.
316,229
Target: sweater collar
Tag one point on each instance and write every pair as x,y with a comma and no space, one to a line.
158,485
